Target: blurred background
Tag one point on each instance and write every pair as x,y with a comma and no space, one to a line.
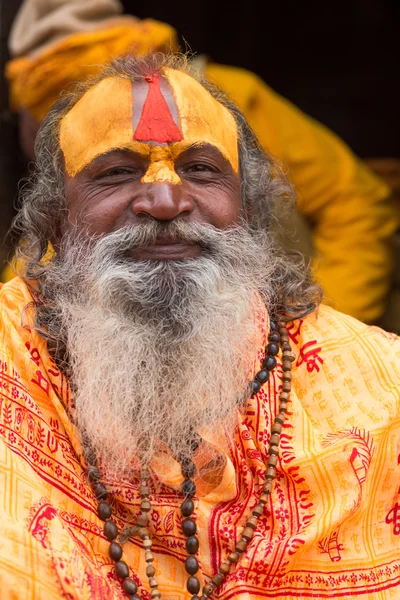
336,61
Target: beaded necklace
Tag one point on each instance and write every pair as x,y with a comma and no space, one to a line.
278,336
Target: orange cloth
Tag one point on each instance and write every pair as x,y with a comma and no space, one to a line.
332,528
36,82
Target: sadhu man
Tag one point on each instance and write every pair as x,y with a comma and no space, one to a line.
180,417
342,205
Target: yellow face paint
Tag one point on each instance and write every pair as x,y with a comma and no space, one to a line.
102,121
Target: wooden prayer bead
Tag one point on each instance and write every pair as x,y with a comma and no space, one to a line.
225,568
269,363
150,571
286,365
144,491
252,522
192,544
280,418
188,488
267,487
286,347
191,565
274,337
115,552
188,469
284,396
110,530
142,520
145,506
153,582
287,376
272,349
147,543
286,387
247,533
129,586
234,557
155,594
104,511
121,569
218,579
208,589
258,510
274,439
187,507
270,473
283,408
276,428
263,376
273,325
273,450
241,546
264,498
255,387
101,492
193,585
148,556
143,533
189,527
272,460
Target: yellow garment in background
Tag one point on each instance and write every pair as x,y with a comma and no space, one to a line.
349,208
353,219
332,528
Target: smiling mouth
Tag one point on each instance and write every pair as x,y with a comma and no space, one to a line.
165,248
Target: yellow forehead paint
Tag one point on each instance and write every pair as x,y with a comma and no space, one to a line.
102,121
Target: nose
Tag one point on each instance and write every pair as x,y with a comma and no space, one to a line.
163,201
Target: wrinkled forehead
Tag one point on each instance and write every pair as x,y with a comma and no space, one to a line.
173,109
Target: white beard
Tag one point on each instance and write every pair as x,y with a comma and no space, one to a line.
158,349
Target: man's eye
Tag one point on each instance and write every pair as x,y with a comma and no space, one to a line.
118,171
200,168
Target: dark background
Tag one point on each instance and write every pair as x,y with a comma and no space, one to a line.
338,61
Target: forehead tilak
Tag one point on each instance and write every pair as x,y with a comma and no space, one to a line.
114,115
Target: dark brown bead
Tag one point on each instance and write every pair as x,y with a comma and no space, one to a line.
188,469
280,418
153,582
187,507
104,511
191,565
110,530
287,376
189,527
133,597
121,569
93,474
143,533
283,408
208,589
286,386
193,585
255,387
234,557
241,546
155,594
188,488
286,365
264,498
115,552
284,396
192,544
269,363
101,492
274,337
263,376
273,450
272,349
129,586
273,325
218,579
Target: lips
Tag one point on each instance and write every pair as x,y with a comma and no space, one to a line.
168,248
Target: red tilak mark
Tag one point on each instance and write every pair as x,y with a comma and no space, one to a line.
156,123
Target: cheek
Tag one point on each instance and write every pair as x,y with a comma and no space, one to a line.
222,206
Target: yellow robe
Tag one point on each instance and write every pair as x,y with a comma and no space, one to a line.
332,528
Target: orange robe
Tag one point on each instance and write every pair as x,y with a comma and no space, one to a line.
332,528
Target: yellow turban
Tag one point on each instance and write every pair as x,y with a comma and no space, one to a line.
37,81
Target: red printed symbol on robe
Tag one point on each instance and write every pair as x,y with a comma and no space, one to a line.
310,356
156,123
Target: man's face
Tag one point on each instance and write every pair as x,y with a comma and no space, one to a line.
116,178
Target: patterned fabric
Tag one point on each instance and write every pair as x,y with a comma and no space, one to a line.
332,528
